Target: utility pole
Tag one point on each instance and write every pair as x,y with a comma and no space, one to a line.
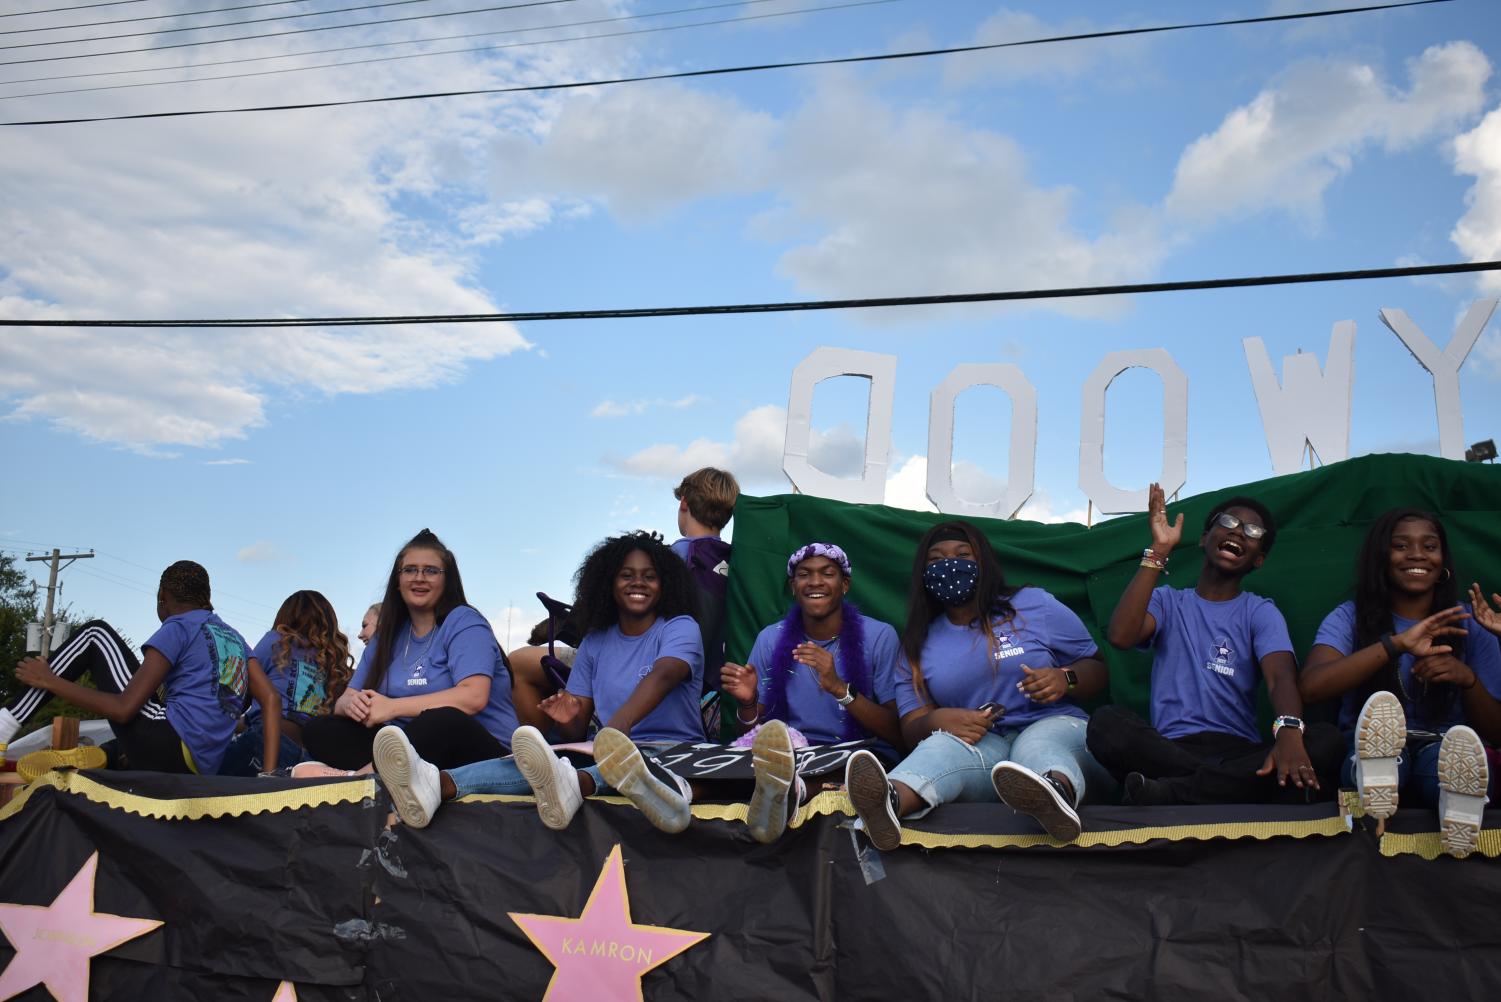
56,556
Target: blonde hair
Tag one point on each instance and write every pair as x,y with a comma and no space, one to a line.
710,495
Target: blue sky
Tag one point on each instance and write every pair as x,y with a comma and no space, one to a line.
296,459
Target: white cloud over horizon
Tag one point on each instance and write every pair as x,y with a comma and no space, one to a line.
1283,149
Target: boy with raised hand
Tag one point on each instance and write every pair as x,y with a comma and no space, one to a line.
1213,644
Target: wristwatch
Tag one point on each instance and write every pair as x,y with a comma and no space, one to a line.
848,697
1071,677
1286,721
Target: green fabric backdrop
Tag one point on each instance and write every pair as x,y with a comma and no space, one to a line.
1322,515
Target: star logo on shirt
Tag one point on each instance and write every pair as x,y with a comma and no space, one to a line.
1221,651
601,955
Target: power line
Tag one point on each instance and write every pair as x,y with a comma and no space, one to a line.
59,10
197,13
1077,292
271,34
449,52
723,71
206,27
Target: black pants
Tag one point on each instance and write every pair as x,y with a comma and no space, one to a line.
1209,768
446,736
148,740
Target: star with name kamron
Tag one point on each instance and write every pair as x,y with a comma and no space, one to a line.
601,955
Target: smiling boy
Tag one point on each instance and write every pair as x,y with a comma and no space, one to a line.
1213,644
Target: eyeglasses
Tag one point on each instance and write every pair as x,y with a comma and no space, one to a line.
1251,529
413,571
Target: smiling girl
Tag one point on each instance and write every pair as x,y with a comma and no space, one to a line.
1418,689
639,669
433,669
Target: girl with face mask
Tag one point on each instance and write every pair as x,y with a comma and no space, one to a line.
987,687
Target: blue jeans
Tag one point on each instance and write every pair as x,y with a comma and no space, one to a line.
243,756
501,776
1417,771
942,768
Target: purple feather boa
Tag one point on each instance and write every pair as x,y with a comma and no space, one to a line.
850,663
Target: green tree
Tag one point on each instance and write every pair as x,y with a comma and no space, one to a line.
20,604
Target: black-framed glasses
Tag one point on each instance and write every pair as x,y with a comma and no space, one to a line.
1251,529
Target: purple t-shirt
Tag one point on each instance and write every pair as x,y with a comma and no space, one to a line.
1208,661
610,665
683,545
811,710
962,672
302,685
1480,651
206,684
462,646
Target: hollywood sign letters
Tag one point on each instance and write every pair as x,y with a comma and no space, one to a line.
1310,407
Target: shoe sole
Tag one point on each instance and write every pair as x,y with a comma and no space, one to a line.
536,762
29,767
392,754
1030,794
870,793
775,767
1380,736
623,767
1462,776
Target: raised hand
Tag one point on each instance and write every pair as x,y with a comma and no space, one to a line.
1165,535
1485,615
1420,638
739,681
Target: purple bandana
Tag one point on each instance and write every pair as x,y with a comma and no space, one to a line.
829,550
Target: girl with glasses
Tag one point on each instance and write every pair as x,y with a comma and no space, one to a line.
433,670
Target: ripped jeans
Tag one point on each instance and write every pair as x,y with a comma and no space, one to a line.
943,769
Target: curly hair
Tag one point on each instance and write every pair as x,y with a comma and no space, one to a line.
594,584
393,610
307,619
1373,601
991,592
187,583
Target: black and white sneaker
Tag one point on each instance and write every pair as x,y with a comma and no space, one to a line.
874,799
1042,797
1380,736
663,796
778,796
1462,777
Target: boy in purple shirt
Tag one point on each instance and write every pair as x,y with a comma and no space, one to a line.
1214,643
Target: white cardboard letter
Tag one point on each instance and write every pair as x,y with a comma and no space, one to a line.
826,363
1023,458
1108,498
1310,407
1444,367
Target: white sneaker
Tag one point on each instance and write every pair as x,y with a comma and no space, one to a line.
661,795
1380,736
778,796
554,781
874,799
412,783
1025,791
1462,776
9,725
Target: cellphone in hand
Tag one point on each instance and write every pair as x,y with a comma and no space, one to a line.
994,710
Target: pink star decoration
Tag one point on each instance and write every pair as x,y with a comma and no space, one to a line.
601,955
285,992
54,944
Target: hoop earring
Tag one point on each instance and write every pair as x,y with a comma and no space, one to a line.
1447,575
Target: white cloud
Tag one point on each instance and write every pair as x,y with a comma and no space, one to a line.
907,487
1053,62
1478,232
911,202
1040,507
753,454
227,462
257,553
1294,139
615,409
